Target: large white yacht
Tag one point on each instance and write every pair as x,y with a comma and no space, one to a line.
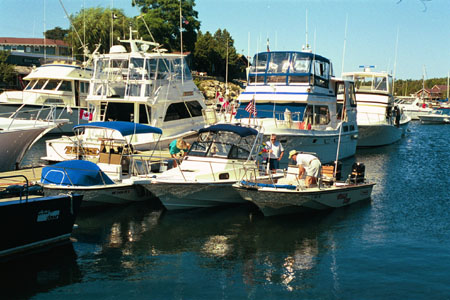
380,122
59,84
296,97
153,88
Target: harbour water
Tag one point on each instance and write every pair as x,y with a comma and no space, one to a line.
394,246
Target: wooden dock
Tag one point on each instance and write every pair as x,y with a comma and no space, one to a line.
32,174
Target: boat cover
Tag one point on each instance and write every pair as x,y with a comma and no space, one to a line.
125,128
74,172
242,131
277,186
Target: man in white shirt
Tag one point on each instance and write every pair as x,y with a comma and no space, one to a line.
276,152
308,164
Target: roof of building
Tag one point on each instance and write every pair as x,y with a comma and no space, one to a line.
32,42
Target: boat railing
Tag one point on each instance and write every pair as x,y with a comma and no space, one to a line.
146,166
21,191
43,114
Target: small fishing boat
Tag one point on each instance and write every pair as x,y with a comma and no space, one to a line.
288,195
32,221
219,158
114,174
436,116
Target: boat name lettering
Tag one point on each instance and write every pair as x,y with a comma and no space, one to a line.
344,197
85,150
47,215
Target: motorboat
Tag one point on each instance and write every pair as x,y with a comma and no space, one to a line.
295,96
18,133
436,116
152,88
59,84
414,107
113,175
219,158
380,121
31,222
289,195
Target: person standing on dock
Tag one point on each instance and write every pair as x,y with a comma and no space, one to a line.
276,152
308,165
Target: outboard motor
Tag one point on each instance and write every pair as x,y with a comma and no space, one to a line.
357,175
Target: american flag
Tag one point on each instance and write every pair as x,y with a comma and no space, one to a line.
251,108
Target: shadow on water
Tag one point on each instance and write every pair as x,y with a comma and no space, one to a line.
26,275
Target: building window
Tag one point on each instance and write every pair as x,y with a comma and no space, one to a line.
36,49
28,49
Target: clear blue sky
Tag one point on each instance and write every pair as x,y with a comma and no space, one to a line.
423,28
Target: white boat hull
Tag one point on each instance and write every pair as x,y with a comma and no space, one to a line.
324,145
195,195
273,201
103,194
430,119
378,135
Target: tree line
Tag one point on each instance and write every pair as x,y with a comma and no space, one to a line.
410,86
159,21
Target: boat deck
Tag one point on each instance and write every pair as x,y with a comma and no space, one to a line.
33,175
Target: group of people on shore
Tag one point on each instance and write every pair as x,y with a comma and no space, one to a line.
308,164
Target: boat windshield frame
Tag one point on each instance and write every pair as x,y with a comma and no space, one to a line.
290,68
371,82
223,144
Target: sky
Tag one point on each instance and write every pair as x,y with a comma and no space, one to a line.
407,38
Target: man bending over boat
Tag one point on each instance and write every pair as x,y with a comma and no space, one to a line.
308,165
175,147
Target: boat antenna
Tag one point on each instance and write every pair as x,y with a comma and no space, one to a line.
345,43
395,64
306,46
83,45
344,102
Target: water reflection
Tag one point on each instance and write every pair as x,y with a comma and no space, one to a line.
27,275
139,242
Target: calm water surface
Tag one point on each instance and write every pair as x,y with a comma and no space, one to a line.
395,246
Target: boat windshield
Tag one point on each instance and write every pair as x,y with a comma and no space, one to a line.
137,76
371,83
290,68
222,144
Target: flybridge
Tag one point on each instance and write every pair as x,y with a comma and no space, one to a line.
290,67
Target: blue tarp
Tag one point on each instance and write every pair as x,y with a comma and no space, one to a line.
74,172
242,131
125,128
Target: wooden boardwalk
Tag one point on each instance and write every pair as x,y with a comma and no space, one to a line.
32,174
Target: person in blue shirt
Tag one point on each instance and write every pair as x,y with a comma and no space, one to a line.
175,147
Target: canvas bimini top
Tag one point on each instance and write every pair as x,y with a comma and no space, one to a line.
241,131
125,128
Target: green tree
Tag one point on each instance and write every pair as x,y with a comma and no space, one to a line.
163,19
7,73
56,33
97,22
210,54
